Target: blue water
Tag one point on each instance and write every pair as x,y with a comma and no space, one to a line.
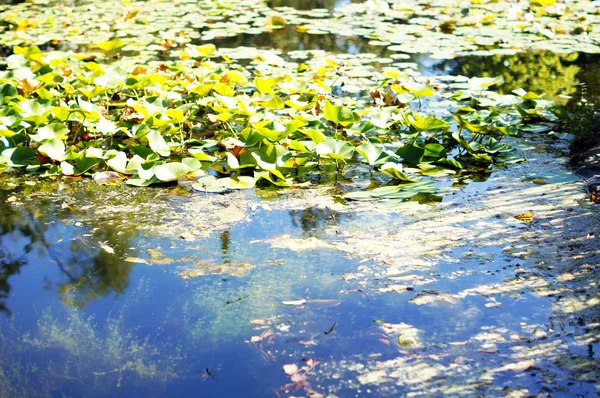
85,322
77,320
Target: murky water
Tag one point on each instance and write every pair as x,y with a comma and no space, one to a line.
101,296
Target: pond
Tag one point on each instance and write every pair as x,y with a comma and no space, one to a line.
485,286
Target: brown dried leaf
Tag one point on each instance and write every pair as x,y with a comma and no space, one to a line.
265,334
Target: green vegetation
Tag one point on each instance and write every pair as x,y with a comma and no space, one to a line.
64,115
212,96
136,92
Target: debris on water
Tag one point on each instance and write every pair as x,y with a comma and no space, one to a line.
296,244
106,177
136,260
294,303
526,218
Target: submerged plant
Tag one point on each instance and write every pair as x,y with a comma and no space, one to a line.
74,352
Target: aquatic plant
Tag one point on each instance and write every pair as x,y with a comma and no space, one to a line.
62,115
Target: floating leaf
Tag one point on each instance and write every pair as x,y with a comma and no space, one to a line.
419,89
334,149
339,114
54,149
394,170
372,153
118,162
85,163
525,217
111,45
394,192
51,131
20,156
411,154
158,143
482,83
171,171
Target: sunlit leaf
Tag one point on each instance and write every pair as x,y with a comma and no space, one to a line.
158,143
371,153
334,149
419,89
394,170
339,114
482,83
111,45
118,162
171,171
54,149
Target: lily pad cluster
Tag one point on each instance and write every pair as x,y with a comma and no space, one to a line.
228,126
447,29
444,29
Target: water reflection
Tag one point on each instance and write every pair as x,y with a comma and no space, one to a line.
310,4
163,333
11,262
314,220
225,239
95,268
129,353
22,235
289,39
589,71
537,71
84,264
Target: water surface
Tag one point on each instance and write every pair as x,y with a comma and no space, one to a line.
101,294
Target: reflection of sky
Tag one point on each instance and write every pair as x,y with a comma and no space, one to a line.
194,313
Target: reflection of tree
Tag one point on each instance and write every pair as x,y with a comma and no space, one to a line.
11,262
304,4
225,244
87,268
310,4
314,220
537,71
289,39
93,272
71,354
588,75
